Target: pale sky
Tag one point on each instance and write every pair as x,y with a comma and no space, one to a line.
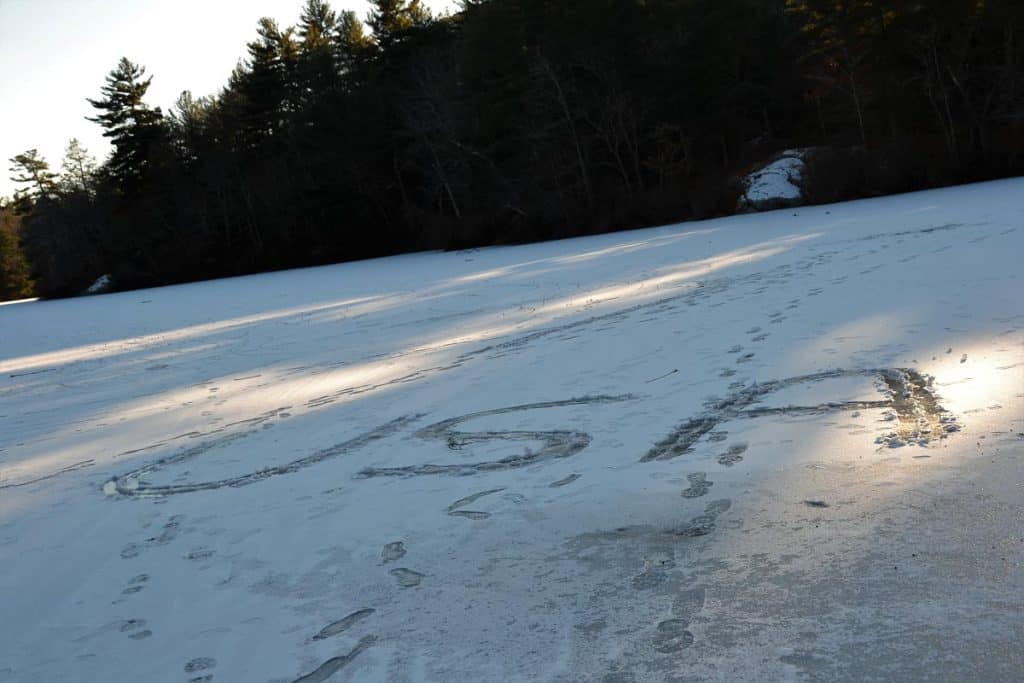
56,53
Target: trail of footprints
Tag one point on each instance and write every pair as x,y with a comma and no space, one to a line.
136,584
733,455
756,335
336,664
404,577
699,485
392,552
167,534
343,624
558,444
672,635
129,484
912,403
136,629
913,406
200,664
704,524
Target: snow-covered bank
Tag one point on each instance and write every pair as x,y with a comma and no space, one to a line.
777,185
716,449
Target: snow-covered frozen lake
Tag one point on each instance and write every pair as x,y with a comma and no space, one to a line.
770,447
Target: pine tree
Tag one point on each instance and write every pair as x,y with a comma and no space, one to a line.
350,40
350,33
268,84
316,25
188,122
390,18
78,168
318,73
132,126
33,170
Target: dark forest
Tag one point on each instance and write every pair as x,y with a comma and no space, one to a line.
513,121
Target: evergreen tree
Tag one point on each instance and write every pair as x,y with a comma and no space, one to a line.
351,41
268,84
189,123
318,72
517,120
390,18
29,168
78,168
133,127
317,23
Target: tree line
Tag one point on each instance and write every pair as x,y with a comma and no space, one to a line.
512,121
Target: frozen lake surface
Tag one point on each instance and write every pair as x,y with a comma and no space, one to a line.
783,446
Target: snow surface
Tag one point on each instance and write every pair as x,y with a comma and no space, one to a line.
703,451
777,184
102,285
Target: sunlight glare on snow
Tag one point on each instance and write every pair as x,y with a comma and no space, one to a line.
980,380
103,349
